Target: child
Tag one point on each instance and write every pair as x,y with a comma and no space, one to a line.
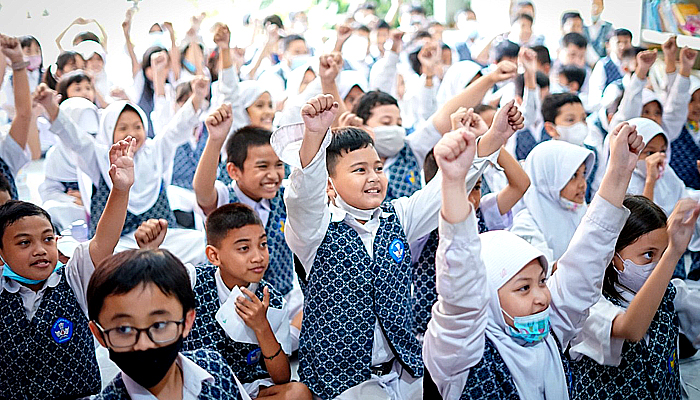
141,308
628,347
66,62
47,351
489,336
685,148
555,203
609,69
31,49
75,84
356,254
571,79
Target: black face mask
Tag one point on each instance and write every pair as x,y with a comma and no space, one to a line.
147,367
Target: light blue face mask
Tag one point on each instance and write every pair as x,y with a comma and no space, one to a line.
531,328
7,272
189,66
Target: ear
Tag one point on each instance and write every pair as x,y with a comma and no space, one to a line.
329,191
551,130
96,333
233,171
212,255
189,321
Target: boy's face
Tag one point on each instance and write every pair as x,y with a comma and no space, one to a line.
569,114
526,293
359,178
573,25
81,89
261,175
296,48
384,115
475,195
573,55
694,107
619,44
242,256
652,110
571,85
29,247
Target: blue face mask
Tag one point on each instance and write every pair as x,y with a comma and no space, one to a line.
188,65
531,328
7,272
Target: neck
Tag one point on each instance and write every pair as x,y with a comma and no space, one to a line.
248,193
34,286
231,281
170,387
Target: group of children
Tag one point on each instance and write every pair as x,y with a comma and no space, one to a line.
404,226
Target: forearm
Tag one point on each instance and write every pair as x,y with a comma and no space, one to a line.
309,147
649,189
33,139
469,97
278,367
518,182
135,64
109,227
225,54
19,129
330,87
174,57
205,176
455,204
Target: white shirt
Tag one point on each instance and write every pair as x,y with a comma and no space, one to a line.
598,77
14,156
262,207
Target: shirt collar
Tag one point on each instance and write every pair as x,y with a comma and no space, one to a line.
223,290
338,214
263,203
13,286
192,377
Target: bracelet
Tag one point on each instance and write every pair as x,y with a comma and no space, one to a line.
20,65
275,355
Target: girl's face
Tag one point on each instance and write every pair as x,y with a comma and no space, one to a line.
309,76
694,107
129,124
353,97
526,293
261,112
32,50
575,190
656,144
475,195
652,111
76,63
95,63
646,249
81,89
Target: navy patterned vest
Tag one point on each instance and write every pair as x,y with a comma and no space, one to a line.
70,186
161,209
645,371
525,142
244,358
599,125
591,176
186,160
612,72
53,355
491,378
405,175
347,292
223,388
684,156
5,170
280,271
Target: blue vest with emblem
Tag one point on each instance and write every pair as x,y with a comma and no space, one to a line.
684,156
244,359
612,72
491,379
161,209
280,271
5,170
347,291
186,160
53,354
223,388
404,175
525,142
646,371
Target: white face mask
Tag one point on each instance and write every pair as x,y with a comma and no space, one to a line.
634,276
574,134
569,205
362,215
389,140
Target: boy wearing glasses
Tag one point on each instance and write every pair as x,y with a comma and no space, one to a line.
141,307
46,350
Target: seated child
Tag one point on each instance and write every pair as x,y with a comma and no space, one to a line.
76,84
47,351
489,336
571,79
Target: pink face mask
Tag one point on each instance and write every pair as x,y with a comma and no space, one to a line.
34,62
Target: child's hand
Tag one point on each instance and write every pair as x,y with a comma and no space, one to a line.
454,154
670,49
429,58
504,71
219,122
151,233
528,59
396,40
328,68
645,60
625,146
318,113
222,36
687,58
681,224
126,25
121,159
349,119
654,164
507,121
11,48
168,26
48,99
77,199
343,32
253,311
461,118
159,62
200,86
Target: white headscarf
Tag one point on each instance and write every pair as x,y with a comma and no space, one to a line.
148,163
649,95
348,79
456,79
550,166
296,77
248,93
536,369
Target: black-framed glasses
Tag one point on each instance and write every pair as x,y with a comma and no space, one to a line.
127,336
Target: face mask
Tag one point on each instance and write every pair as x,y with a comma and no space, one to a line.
569,205
7,272
531,328
574,134
595,18
147,367
34,62
362,215
389,140
298,61
188,65
634,276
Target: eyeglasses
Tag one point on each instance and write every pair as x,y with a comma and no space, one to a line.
127,336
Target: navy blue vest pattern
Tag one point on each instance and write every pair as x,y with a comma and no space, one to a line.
223,388
591,176
186,160
53,355
347,292
599,125
208,334
645,371
161,209
5,170
612,72
280,271
405,175
525,142
70,186
684,156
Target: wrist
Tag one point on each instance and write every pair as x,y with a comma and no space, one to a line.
674,251
261,329
685,71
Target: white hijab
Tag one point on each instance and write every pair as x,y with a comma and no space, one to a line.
550,166
148,163
60,160
348,79
536,369
248,93
456,79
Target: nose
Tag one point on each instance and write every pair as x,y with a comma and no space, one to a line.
540,299
144,342
39,250
258,255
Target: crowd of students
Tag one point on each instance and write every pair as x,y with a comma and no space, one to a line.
503,218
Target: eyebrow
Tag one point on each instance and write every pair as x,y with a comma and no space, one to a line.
28,234
358,164
241,240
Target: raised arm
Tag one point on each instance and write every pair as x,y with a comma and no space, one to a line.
518,182
19,130
218,125
383,75
174,52
343,33
329,66
676,106
631,103
126,27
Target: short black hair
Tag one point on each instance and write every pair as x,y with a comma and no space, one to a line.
417,9
273,19
542,82
238,144
226,218
124,271
14,210
573,74
183,91
288,40
5,184
370,100
553,102
504,49
543,56
345,140
85,37
622,32
632,52
524,16
68,79
574,38
570,15
381,24
430,167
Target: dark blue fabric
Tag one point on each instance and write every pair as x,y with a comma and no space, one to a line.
612,72
525,142
186,160
5,170
684,156
404,175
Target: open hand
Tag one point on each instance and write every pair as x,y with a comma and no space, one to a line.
253,311
121,159
681,224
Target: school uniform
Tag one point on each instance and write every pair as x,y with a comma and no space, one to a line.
605,71
12,159
47,350
351,344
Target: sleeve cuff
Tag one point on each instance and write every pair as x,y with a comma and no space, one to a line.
457,233
606,215
286,142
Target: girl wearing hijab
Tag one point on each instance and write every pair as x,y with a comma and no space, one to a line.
147,198
503,338
555,202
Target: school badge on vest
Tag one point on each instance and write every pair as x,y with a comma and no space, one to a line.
62,330
411,178
397,250
672,361
254,356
